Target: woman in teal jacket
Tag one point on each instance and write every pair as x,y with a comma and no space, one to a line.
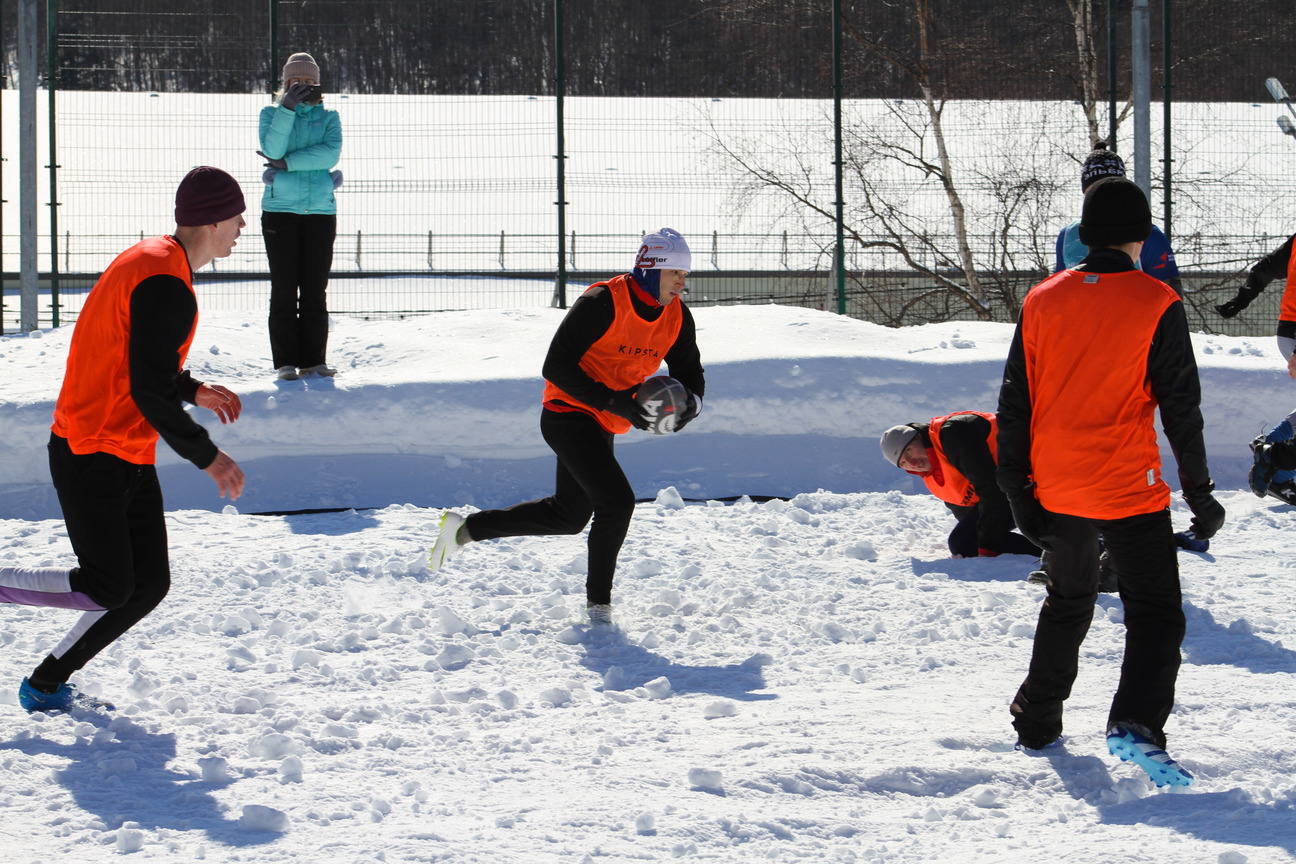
301,141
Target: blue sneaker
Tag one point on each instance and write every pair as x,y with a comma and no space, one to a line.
1131,746
65,698
1052,745
1188,540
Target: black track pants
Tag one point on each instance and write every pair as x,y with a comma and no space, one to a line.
589,482
113,512
1142,550
963,540
300,251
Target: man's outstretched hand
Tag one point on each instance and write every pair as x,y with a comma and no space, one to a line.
221,400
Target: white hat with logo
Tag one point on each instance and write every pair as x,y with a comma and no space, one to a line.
664,250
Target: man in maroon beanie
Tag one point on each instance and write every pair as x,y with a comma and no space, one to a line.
124,387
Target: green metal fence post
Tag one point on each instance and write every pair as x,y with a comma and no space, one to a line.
560,86
273,77
839,256
51,27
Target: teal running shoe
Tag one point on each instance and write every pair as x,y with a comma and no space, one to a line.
1132,746
65,698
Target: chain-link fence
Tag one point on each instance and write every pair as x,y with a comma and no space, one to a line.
715,119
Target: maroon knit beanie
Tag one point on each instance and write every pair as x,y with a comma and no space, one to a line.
206,196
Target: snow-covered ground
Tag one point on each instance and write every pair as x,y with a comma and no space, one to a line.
809,678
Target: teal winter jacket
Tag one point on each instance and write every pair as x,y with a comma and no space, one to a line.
309,139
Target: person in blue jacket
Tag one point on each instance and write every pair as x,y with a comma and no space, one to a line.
1157,258
301,141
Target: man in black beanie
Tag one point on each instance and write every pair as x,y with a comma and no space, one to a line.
1156,258
125,386
1115,214
1098,349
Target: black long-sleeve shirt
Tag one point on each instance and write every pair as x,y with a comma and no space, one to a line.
964,439
1270,267
1171,374
586,322
1267,269
162,310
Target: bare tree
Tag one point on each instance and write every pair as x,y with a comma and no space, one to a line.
974,232
1086,62
928,69
894,152
1026,189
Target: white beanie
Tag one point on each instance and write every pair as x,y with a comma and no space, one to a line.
301,65
664,250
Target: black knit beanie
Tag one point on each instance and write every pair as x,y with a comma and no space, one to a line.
1099,164
1115,212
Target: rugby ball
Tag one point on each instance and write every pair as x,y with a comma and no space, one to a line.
663,399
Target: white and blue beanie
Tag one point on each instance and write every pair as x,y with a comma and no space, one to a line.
661,250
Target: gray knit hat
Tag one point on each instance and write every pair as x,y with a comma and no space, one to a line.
300,65
895,440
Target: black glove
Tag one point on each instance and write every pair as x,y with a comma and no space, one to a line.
296,94
1263,470
1208,514
279,164
1031,517
691,410
623,404
1237,304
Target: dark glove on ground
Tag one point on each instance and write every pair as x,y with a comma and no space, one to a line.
295,95
690,411
1264,469
1208,514
1031,518
1238,303
623,404
280,164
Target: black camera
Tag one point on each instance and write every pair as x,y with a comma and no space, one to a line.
315,93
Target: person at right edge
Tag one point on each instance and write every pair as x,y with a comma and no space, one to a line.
1097,350
301,141
1280,484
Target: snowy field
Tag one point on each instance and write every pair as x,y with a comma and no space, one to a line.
809,678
